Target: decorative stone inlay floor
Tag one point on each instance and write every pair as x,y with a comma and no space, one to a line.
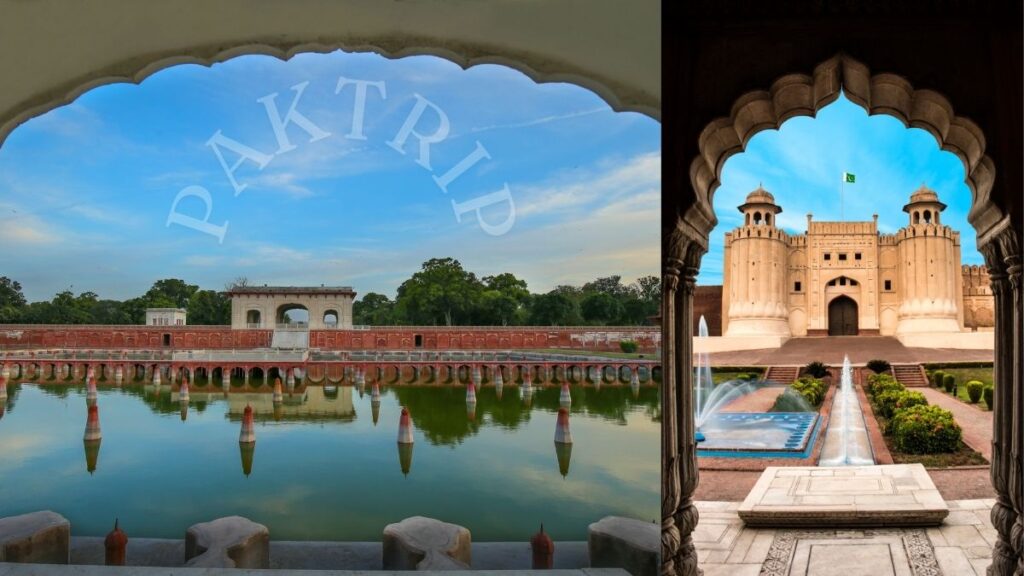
961,546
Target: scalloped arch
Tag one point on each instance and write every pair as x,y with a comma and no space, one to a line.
465,56
802,95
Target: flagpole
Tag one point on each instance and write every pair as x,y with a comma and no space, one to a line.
842,190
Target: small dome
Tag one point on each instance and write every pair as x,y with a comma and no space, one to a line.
760,195
924,194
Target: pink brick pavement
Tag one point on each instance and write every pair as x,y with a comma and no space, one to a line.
976,424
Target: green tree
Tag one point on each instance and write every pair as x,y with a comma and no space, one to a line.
170,293
111,312
374,310
610,285
441,293
601,308
648,288
503,301
553,309
209,307
10,293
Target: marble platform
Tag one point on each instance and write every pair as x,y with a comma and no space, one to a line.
848,496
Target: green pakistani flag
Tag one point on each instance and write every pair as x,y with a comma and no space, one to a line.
849,178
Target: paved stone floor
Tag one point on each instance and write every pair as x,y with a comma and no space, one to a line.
831,349
852,496
285,555
961,546
976,424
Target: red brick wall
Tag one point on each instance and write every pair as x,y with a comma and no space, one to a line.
131,337
135,337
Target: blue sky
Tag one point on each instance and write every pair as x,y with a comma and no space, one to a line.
86,190
802,163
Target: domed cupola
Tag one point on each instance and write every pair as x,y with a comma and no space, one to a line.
924,206
760,208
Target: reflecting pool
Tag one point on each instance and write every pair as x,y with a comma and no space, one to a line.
326,464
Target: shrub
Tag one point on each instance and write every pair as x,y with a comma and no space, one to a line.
987,393
883,383
892,400
925,430
909,399
812,389
948,382
974,390
628,346
816,369
879,366
937,377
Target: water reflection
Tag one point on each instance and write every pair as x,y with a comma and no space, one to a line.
248,451
405,457
564,453
326,432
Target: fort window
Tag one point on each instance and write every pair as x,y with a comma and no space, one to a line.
842,256
927,216
828,256
419,341
888,285
167,339
796,286
857,256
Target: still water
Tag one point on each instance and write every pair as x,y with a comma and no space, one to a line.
323,469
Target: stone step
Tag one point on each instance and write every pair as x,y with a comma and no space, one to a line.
782,374
861,496
909,374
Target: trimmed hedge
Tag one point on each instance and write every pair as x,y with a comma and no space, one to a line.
892,400
812,389
937,378
974,390
987,393
925,430
628,346
949,382
879,383
879,366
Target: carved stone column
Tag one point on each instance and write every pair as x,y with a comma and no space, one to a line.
1013,402
679,449
1002,257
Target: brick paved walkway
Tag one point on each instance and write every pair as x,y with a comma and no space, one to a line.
800,351
976,424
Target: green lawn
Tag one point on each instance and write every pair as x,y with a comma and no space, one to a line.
965,375
579,352
719,375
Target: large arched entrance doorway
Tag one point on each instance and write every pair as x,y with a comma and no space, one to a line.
842,317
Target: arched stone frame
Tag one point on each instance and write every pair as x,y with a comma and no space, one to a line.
153,38
285,307
687,239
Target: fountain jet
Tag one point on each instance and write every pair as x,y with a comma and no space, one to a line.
846,441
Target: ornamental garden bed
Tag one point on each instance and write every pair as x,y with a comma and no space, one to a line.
915,432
